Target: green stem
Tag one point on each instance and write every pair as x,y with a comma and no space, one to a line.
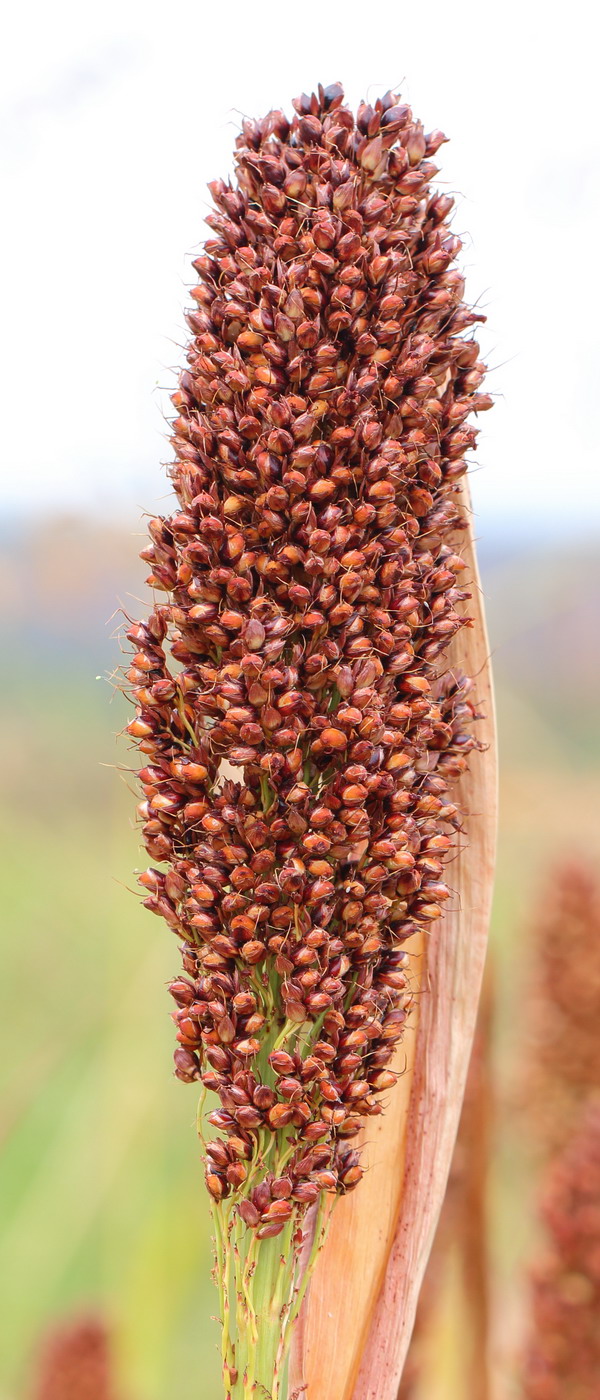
262,1284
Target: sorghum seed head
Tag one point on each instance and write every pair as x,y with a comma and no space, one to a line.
563,1050
563,1353
75,1363
309,585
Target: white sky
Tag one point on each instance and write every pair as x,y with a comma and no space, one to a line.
114,116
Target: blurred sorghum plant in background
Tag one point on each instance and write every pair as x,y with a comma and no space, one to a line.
563,1056
463,1230
75,1363
562,1360
313,584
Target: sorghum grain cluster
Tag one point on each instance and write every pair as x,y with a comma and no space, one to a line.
563,1357
311,583
563,1053
76,1363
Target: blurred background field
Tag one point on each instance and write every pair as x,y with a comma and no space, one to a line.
112,119
100,1180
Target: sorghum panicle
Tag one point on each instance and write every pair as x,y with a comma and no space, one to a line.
311,584
462,1233
563,1356
75,1363
563,1053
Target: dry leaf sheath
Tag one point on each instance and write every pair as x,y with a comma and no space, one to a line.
562,1054
312,582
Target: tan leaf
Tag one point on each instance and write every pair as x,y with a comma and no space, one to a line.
355,1327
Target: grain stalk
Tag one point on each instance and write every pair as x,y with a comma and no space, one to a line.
315,636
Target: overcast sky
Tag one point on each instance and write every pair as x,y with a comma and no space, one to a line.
113,118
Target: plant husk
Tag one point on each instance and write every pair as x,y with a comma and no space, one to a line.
356,1325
